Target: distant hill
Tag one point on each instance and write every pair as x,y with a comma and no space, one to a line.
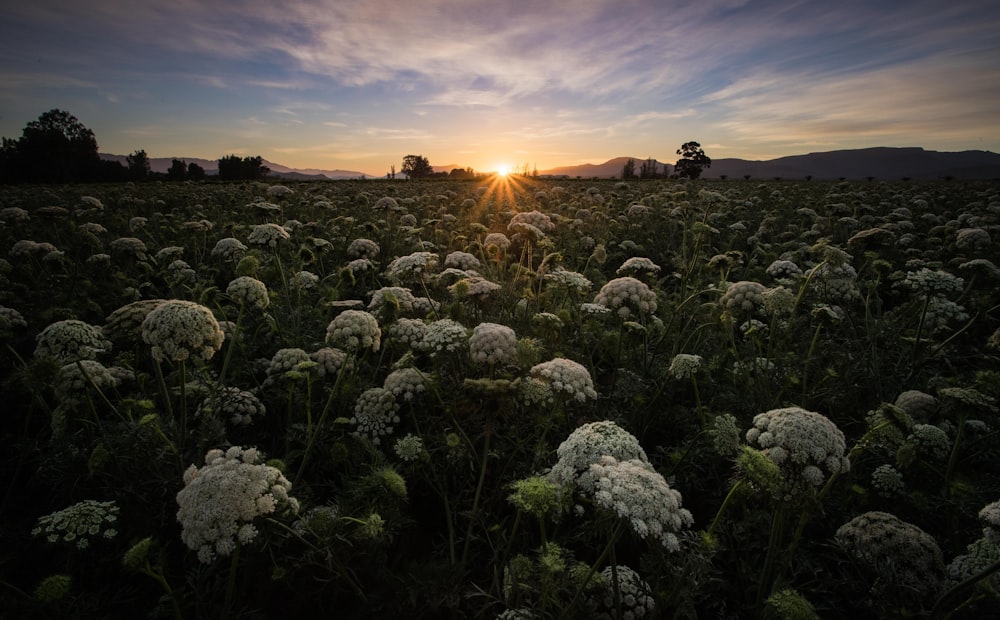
884,163
609,169
211,166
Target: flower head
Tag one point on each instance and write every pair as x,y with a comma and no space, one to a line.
375,414
267,235
492,344
802,443
684,365
585,446
354,331
69,341
249,292
240,407
80,523
221,500
627,297
635,595
566,376
178,329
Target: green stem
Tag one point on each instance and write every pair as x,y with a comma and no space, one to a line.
231,584
163,388
983,574
773,544
725,504
615,535
953,459
479,492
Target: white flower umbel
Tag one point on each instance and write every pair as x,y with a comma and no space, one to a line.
638,265
69,341
461,260
409,332
635,595
354,331
238,406
329,361
567,377
637,493
742,298
411,268
249,292
684,365
229,249
627,297
363,248
492,344
806,445
221,500
585,446
375,414
405,383
444,336
80,523
178,329
267,235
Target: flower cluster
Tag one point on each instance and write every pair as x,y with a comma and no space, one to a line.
684,365
536,219
375,414
124,325
492,344
585,446
285,361
475,286
405,383
634,491
329,361
304,280
354,331
638,265
836,283
391,301
27,247
177,329
566,376
70,340
989,516
778,300
80,523
409,332
443,336
918,405
783,270
10,320
635,595
220,500
461,260
906,558
249,292
802,443
887,481
743,297
239,406
568,280
76,378
627,297
940,312
933,282
972,239
929,440
496,240
129,247
411,267
267,235
409,448
362,248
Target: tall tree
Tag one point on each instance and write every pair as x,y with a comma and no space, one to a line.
649,169
195,172
416,167
177,170
234,167
138,165
693,160
628,171
56,148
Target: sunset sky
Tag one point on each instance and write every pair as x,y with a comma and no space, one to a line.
357,85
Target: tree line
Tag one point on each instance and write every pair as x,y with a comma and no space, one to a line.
690,165
58,148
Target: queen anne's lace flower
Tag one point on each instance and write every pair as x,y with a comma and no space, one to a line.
409,448
627,297
178,329
684,365
933,282
220,501
284,361
635,595
229,248
411,267
567,377
835,283
461,260
80,523
636,492
363,248
391,301
638,265
585,446
444,336
267,235
496,240
929,441
972,239
802,443
536,219
492,344
782,270
887,481
906,559
329,361
10,320
129,247
405,383
240,407
742,298
375,414
70,340
568,280
77,378
124,325
249,292
354,331
304,280
475,286
409,332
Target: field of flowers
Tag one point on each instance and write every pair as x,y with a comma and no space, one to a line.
500,399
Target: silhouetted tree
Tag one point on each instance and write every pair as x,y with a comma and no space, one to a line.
177,170
693,160
462,173
138,165
234,167
56,148
195,172
628,171
416,167
649,169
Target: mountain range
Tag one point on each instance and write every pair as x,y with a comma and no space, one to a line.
884,163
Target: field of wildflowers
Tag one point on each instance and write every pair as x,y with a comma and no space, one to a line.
509,399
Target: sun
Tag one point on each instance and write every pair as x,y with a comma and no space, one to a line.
503,170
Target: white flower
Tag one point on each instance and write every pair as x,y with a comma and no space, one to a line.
405,383
627,297
461,260
534,219
411,267
354,331
391,301
224,496
803,443
284,361
634,491
743,297
239,406
408,331
304,280
492,344
566,376
585,446
684,365
80,523
496,240
409,448
268,235
329,361
568,280
178,329
635,595
363,248
443,336
69,341
375,414
229,248
249,292
638,265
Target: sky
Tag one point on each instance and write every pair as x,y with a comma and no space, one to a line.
358,85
